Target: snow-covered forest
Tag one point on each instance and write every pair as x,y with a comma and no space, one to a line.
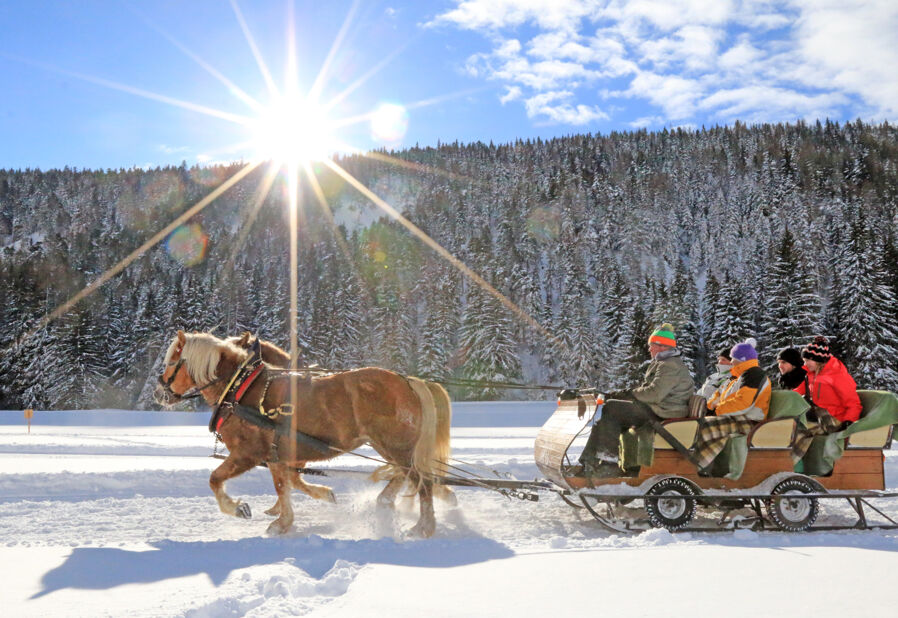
771,231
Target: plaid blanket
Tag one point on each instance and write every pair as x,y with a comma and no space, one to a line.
713,434
826,424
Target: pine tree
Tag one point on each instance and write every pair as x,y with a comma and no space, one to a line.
792,314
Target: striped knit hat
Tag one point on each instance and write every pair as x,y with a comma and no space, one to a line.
817,350
664,335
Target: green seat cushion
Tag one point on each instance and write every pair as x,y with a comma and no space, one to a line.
786,404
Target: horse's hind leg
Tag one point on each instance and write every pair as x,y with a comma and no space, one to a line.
230,468
280,474
427,524
387,497
319,492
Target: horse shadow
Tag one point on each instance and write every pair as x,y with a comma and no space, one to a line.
102,568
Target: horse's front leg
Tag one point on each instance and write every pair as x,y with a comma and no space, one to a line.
230,467
276,507
427,523
280,474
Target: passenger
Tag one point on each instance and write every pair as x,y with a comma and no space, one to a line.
719,377
664,393
740,405
789,363
830,390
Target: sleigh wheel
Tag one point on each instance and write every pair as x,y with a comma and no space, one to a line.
788,509
665,507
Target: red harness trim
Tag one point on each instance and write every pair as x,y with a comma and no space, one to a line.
247,383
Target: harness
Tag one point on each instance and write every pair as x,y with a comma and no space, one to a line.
193,393
230,402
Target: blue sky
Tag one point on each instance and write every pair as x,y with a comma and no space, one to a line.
103,84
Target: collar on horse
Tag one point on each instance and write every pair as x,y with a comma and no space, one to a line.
258,415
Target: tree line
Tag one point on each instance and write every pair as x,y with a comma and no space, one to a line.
777,231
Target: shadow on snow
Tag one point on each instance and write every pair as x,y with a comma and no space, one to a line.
101,568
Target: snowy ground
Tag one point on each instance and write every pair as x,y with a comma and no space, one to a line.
109,513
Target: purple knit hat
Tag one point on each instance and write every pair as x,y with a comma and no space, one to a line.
744,351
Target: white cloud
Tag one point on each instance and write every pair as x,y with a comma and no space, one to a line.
512,93
693,46
676,96
554,107
776,103
165,148
498,14
647,121
689,59
854,46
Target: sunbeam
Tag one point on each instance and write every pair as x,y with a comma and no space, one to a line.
261,193
263,68
430,242
194,107
156,239
233,88
318,84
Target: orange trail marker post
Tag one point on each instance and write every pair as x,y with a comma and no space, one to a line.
29,414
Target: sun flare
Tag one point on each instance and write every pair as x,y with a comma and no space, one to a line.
293,131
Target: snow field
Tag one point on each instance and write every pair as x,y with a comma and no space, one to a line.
119,520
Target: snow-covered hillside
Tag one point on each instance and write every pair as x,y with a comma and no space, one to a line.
109,513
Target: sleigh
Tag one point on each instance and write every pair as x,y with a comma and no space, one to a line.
753,472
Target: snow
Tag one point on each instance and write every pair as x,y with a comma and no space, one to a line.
109,513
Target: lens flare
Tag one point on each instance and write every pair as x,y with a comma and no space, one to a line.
544,224
187,244
389,122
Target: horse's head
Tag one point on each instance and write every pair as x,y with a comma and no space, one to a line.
191,366
271,354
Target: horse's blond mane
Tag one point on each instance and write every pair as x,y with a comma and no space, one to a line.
202,353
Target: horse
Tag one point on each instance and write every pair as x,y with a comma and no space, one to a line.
395,475
333,415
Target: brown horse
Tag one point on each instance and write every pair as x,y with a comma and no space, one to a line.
394,414
396,475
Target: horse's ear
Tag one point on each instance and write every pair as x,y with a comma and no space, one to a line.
182,338
245,338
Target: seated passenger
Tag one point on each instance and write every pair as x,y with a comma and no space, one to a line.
719,377
789,363
830,390
664,393
830,387
740,405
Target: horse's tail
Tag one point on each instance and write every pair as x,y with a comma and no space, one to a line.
424,457
444,422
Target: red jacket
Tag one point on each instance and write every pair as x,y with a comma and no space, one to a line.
834,390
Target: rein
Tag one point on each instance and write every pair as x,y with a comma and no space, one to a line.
191,393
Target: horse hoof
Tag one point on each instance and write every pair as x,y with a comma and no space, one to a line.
243,511
330,497
276,528
449,498
423,530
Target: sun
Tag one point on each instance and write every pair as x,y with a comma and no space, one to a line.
293,131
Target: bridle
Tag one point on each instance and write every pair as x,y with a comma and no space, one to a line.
191,393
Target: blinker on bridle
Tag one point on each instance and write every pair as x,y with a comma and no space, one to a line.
197,391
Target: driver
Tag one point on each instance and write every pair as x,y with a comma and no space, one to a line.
664,393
